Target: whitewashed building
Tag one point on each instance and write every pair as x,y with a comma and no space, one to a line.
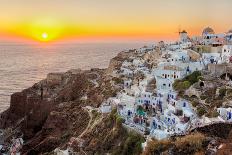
228,36
213,58
209,37
225,113
226,53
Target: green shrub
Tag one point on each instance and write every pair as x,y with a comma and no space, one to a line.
214,114
185,83
119,120
195,103
156,147
181,86
189,144
131,146
201,111
203,97
65,136
200,78
117,80
222,92
193,78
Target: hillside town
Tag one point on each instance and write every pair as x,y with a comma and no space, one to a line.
160,91
159,111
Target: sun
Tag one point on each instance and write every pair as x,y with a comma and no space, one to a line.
44,36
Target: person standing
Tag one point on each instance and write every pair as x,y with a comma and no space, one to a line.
41,92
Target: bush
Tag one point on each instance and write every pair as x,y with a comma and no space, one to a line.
157,147
181,86
203,97
201,111
65,136
213,114
117,80
222,92
200,78
190,144
193,78
195,103
131,146
119,120
185,83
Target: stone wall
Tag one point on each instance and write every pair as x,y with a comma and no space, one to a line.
219,69
54,78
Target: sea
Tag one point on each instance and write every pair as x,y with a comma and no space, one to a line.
22,65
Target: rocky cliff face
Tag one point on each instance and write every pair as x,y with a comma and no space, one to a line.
52,111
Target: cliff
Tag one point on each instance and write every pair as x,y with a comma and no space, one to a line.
52,111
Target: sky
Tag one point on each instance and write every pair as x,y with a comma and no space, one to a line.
51,20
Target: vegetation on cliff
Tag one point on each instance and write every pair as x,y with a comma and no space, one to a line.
109,136
190,144
185,83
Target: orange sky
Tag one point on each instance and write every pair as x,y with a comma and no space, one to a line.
53,20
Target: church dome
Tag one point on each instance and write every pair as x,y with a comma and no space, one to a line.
230,31
208,30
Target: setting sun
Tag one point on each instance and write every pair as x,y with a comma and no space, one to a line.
44,35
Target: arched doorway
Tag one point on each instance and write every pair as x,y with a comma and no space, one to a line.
226,76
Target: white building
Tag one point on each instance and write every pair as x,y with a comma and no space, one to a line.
213,58
179,56
226,53
126,107
225,113
145,98
186,45
228,36
126,72
209,37
170,72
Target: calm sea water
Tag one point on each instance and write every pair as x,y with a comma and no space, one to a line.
21,65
